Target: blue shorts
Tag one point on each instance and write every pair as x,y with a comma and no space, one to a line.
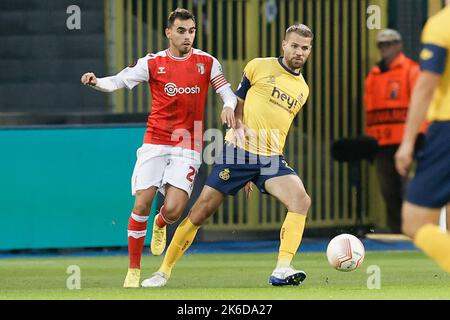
430,186
235,167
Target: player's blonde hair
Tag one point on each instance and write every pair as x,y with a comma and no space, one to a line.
300,29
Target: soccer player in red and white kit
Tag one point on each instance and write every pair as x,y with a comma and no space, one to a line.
169,158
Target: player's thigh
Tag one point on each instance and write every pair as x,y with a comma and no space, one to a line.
149,168
175,201
206,205
414,217
181,173
289,189
143,201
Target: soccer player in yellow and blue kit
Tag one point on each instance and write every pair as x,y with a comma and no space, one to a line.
430,188
270,95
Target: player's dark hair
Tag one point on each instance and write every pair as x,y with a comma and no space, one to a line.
300,29
181,14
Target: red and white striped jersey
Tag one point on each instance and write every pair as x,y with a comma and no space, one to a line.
179,87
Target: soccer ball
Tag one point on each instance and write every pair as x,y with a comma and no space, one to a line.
345,252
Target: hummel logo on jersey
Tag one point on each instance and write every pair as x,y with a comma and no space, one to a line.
161,70
172,90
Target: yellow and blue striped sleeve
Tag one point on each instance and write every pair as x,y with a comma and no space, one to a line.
436,45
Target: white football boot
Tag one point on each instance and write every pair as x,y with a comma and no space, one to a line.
158,279
287,276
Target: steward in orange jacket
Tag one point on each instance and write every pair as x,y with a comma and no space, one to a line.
387,95
388,90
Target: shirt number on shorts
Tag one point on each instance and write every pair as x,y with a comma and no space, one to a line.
191,175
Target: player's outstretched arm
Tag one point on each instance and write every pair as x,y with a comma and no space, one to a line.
128,77
108,84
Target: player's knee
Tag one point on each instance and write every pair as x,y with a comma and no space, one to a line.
173,210
305,203
141,208
300,203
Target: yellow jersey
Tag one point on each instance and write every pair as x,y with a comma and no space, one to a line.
435,57
273,95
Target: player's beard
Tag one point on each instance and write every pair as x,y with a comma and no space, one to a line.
184,49
295,64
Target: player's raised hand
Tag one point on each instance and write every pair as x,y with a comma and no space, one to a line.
248,188
227,117
404,158
89,78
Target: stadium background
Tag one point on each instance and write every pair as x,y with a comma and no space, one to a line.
67,152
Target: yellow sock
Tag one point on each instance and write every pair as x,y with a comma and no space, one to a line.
290,237
181,241
435,243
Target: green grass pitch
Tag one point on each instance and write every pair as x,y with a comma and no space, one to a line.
404,275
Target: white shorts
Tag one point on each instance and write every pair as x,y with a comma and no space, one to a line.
158,165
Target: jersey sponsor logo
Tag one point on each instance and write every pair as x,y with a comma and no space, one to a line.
282,99
172,90
225,174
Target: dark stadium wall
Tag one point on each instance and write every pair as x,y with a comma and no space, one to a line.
42,59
